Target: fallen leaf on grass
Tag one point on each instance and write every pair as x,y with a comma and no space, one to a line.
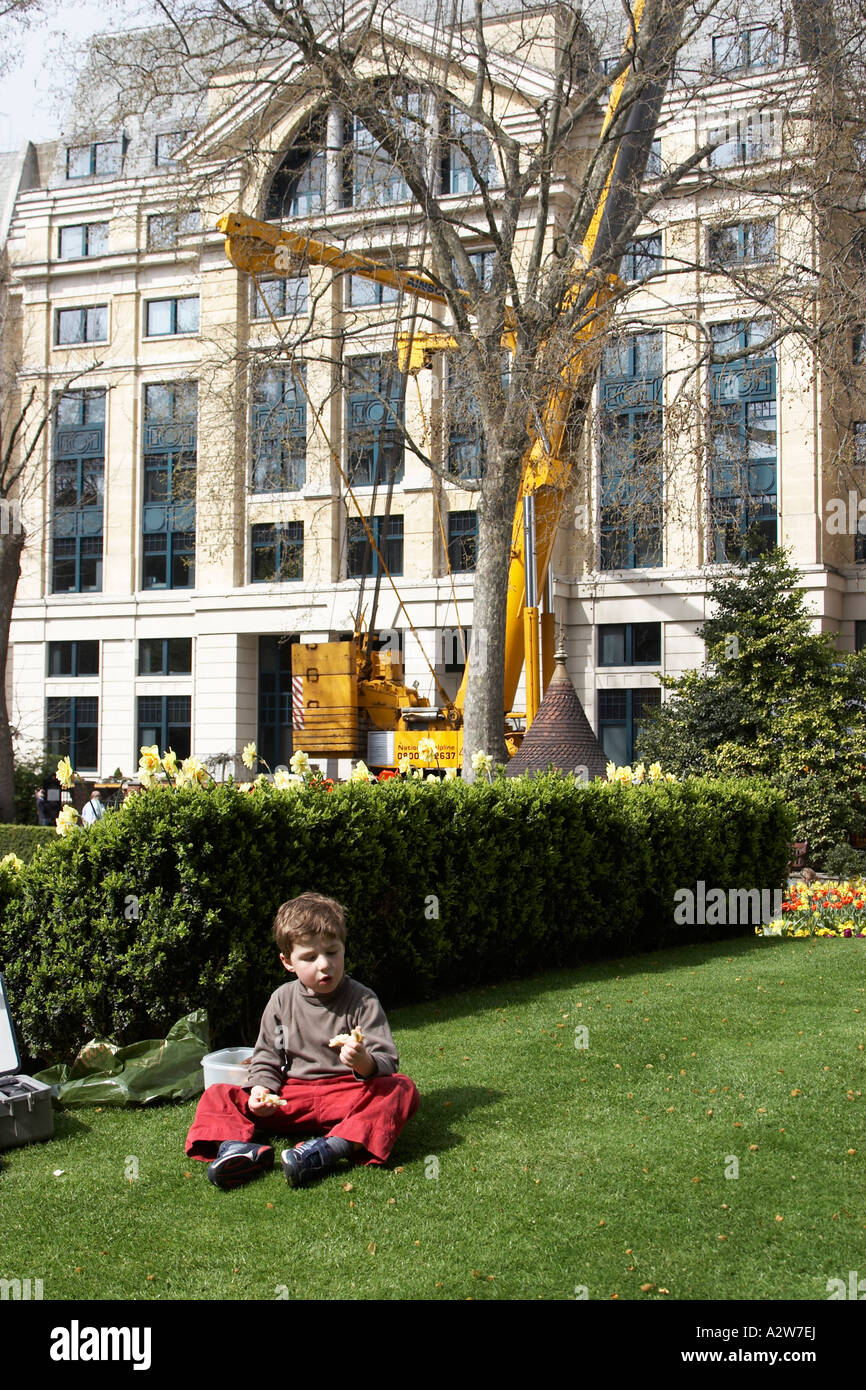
371,1249
645,1288
348,1187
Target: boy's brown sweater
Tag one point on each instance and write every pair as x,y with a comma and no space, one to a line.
297,1025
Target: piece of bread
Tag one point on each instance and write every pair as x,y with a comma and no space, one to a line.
342,1038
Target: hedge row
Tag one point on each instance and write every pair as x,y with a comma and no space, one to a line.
167,904
23,839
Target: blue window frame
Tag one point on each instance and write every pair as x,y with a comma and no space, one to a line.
276,706
99,159
375,180
73,659
632,452
79,475
464,437
166,318
749,50
462,540
85,239
642,258
73,326
744,243
370,294
277,552
165,656
165,720
167,145
743,443
464,142
362,560
374,433
619,715
72,728
285,296
168,513
629,644
279,429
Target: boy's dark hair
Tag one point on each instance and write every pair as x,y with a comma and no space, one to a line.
306,916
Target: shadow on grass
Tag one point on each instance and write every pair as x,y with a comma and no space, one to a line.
517,991
430,1130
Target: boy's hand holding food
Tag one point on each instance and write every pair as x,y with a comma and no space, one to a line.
353,1052
263,1102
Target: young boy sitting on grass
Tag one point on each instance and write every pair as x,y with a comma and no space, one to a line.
304,1077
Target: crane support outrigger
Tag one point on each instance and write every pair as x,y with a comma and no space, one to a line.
345,681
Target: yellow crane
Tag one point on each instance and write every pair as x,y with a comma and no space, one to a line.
345,681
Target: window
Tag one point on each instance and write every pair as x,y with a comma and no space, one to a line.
629,644
165,656
165,228
77,514
165,720
87,239
859,431
744,243
284,295
298,186
81,326
97,160
375,180
859,635
374,411
619,717
366,294
643,257
73,658
72,729
277,552
388,535
631,452
482,263
465,144
743,139
168,512
743,443
171,316
462,540
654,162
858,346
750,50
279,429
463,433
167,146
453,658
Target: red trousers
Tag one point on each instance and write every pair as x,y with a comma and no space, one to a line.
370,1112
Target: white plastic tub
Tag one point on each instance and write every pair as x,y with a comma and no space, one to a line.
228,1067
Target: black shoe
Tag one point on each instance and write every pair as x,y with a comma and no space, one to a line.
237,1162
306,1162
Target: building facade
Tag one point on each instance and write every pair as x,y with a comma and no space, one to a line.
189,518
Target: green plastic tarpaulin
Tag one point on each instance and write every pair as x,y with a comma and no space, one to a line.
105,1073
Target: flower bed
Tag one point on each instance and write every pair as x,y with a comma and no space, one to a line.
822,909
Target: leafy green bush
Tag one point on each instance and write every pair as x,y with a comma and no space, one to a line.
166,905
24,840
844,862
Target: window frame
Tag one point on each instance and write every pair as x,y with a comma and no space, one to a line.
69,744
94,172
86,228
165,665
629,723
165,740
737,386
174,301
459,541
744,232
74,645
357,541
83,311
287,542
629,644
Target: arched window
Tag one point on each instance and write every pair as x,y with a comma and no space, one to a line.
298,186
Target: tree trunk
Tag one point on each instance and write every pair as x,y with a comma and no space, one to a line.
11,547
484,709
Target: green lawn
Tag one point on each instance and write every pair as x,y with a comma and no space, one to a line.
558,1168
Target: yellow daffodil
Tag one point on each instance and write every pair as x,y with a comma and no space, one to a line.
150,761
65,775
638,774
148,779
403,764
249,756
12,863
361,773
299,763
482,762
195,770
655,772
450,774
67,820
283,780
169,762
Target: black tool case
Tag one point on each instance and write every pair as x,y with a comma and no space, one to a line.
25,1104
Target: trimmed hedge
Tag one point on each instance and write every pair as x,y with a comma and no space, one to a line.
24,839
167,904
